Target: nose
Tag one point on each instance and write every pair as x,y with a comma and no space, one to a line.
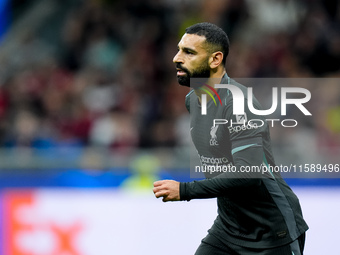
177,58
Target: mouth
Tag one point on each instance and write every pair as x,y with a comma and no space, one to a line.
180,72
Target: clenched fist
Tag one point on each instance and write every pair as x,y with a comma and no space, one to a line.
168,189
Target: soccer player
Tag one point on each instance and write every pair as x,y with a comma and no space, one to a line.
257,213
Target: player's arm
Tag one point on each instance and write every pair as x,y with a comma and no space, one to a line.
220,185
223,183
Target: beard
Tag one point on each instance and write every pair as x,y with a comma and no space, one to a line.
202,72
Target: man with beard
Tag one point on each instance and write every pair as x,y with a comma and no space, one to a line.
257,213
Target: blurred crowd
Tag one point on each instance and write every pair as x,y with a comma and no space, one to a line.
109,80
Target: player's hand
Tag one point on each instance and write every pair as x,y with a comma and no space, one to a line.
167,189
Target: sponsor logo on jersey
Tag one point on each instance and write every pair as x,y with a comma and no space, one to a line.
236,129
213,160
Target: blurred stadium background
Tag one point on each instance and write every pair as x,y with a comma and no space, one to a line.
91,114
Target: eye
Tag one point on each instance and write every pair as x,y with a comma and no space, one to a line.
189,52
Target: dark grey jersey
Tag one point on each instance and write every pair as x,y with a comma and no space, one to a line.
255,209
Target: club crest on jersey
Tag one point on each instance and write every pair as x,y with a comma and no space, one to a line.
213,139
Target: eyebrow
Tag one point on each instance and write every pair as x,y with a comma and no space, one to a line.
187,49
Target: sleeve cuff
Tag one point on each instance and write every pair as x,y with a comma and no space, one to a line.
183,194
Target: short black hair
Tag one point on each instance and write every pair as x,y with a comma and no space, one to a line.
216,38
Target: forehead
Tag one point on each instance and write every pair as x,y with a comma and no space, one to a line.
192,41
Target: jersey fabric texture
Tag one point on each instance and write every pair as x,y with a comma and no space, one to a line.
295,248
255,210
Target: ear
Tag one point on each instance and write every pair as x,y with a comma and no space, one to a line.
215,59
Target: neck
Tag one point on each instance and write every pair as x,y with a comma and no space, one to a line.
215,77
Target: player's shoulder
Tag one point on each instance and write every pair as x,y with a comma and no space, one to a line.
234,84
233,91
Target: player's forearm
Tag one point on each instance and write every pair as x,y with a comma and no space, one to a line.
210,188
223,183
199,189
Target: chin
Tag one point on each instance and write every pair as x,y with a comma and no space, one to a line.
183,81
